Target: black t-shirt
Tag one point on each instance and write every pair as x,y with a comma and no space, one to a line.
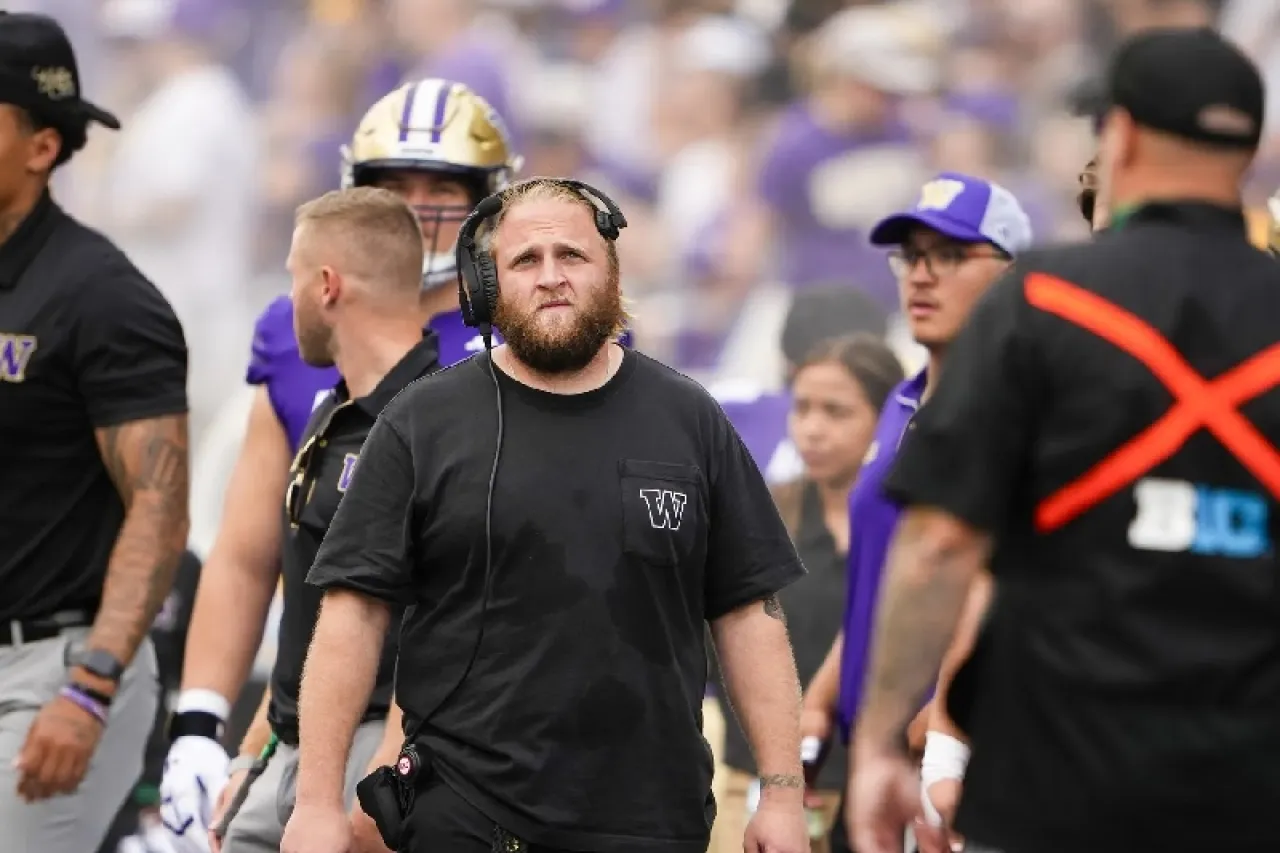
327,458
85,342
623,519
1127,694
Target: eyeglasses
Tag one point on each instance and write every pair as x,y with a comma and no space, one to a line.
938,260
298,495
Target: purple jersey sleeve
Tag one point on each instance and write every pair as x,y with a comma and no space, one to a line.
272,336
293,386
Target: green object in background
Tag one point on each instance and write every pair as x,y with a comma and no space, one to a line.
147,796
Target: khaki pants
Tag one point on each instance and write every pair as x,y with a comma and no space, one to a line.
731,786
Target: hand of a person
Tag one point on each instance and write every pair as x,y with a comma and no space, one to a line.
931,839
317,829
364,833
815,722
234,781
945,797
195,775
57,750
777,827
883,798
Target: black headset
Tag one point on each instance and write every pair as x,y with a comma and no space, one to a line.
478,274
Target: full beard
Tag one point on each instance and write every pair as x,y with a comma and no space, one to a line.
565,347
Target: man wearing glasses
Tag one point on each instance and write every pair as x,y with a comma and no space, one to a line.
961,235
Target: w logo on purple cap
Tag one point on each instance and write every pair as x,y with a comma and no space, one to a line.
938,194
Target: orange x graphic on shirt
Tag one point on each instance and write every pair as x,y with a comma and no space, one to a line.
1200,403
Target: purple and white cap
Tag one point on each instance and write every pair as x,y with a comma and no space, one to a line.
963,208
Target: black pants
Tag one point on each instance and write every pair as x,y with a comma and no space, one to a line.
443,822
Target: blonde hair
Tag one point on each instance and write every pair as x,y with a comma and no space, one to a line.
375,233
544,189
554,189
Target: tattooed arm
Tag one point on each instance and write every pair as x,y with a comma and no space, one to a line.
932,562
760,674
147,460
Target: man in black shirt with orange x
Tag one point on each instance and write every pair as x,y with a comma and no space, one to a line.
1105,439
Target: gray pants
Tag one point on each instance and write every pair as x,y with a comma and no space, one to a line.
30,676
259,825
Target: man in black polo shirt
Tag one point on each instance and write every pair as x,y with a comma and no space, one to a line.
1106,432
564,516
356,263
93,498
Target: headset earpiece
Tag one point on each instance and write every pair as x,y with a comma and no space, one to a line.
477,275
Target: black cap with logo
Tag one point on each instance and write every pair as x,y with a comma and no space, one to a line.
38,72
1190,83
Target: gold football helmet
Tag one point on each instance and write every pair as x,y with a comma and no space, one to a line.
439,126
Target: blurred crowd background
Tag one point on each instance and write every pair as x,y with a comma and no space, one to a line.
751,142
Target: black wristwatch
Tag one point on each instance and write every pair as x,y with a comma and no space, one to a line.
101,663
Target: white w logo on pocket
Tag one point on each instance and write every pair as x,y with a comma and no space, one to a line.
666,508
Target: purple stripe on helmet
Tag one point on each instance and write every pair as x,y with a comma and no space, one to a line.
408,111
437,120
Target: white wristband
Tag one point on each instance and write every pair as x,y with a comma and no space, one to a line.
205,701
945,757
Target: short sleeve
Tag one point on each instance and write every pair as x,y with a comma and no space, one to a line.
272,336
749,555
130,356
968,447
369,545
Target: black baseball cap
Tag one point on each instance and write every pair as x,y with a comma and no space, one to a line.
38,72
1191,83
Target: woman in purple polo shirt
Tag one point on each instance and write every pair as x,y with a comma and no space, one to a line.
960,236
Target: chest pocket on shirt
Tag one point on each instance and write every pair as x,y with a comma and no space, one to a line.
663,517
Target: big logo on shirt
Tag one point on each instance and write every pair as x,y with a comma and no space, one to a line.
1174,515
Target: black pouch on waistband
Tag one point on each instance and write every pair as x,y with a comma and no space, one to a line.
386,795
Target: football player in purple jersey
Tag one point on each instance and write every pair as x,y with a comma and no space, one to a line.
442,148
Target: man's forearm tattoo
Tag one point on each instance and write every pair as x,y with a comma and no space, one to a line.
779,780
148,462
773,607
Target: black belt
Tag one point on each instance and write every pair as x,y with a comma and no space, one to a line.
17,632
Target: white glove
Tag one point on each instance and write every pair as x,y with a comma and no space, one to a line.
195,772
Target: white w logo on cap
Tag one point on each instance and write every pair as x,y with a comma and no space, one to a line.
939,194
